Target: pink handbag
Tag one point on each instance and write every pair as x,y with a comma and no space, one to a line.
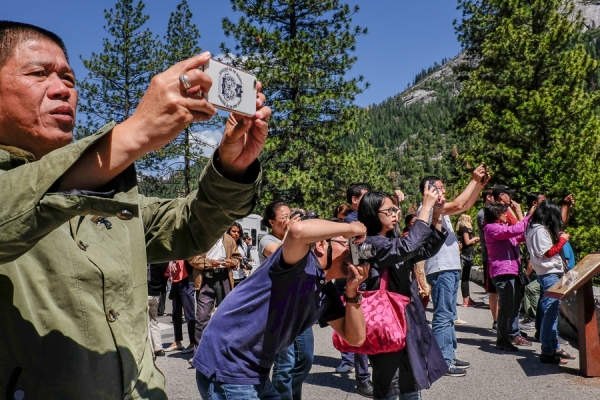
385,320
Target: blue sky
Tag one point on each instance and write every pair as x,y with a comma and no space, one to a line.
404,35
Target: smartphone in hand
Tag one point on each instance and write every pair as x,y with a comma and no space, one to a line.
232,90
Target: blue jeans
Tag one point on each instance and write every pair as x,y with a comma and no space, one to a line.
549,323
403,396
212,390
360,363
292,366
444,289
509,302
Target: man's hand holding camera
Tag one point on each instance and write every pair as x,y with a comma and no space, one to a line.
170,104
481,175
357,275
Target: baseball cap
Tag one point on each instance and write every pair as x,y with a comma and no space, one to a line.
498,189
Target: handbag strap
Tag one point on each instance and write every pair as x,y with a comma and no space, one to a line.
384,283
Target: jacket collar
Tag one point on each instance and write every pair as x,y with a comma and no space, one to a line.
12,157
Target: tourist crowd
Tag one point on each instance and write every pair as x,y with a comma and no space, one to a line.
85,260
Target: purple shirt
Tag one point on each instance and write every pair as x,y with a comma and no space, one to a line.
502,242
263,316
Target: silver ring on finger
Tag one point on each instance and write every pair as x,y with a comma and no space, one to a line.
185,81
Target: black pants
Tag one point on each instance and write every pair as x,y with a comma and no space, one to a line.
182,294
238,281
211,293
509,302
392,374
162,300
465,276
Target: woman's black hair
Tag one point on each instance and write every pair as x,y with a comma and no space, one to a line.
271,212
493,211
368,211
237,224
548,214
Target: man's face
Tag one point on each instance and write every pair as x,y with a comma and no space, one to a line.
442,191
505,198
540,199
38,98
356,200
340,256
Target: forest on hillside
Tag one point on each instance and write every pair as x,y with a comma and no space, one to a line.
418,139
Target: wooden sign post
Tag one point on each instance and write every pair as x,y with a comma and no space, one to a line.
587,318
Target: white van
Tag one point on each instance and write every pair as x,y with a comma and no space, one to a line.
252,226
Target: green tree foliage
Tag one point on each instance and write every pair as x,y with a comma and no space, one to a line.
301,52
173,163
119,76
527,113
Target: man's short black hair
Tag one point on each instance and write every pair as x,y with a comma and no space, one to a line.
13,33
531,197
355,190
431,179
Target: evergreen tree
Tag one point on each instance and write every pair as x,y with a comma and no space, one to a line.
119,76
527,113
174,162
301,51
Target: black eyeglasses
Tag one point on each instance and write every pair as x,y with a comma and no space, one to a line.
344,242
390,211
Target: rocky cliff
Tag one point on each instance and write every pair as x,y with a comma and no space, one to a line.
423,93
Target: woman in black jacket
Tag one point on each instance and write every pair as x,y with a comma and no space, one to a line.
403,374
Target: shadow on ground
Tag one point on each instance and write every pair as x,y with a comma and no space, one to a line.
345,382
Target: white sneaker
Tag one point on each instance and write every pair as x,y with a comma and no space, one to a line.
460,322
486,299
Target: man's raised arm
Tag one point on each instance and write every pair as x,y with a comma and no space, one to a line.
303,233
468,197
164,111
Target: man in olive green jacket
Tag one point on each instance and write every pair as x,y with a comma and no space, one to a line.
75,235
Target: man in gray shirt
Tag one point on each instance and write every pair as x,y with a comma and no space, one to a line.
486,196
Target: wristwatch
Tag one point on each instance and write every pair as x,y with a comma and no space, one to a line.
354,300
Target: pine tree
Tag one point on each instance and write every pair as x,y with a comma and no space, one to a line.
527,113
301,51
174,162
119,76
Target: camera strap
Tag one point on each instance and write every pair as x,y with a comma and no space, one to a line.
329,256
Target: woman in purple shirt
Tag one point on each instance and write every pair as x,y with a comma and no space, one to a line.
502,242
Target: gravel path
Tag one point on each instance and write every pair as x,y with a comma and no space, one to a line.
493,374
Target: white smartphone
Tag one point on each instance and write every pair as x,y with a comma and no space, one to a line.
232,89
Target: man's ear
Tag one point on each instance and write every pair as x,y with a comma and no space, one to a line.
321,248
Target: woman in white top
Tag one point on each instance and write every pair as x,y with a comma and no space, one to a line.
239,273
545,240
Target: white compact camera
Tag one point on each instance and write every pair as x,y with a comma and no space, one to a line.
232,89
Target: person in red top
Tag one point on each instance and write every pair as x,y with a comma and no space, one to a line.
182,294
503,195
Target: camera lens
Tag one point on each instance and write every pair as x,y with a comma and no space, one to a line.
366,251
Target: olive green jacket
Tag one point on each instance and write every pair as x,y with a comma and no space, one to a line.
73,293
